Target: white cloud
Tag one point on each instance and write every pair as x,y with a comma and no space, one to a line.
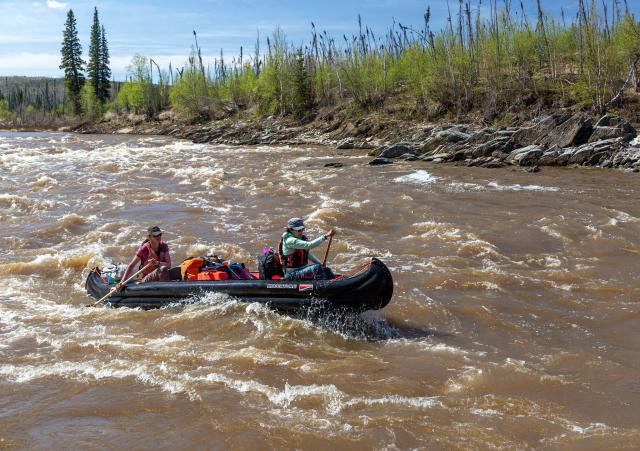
45,64
53,4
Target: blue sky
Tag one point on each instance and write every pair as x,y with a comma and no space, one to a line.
31,31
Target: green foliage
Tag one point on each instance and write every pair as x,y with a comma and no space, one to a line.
5,113
190,95
276,87
495,65
72,63
133,97
93,66
92,107
138,95
98,70
303,94
365,78
104,76
243,87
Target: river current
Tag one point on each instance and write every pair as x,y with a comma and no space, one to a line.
515,320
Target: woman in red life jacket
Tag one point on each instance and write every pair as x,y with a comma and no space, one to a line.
294,253
153,251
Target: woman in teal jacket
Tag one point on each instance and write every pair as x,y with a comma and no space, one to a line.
294,253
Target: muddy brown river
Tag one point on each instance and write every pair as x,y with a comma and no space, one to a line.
515,321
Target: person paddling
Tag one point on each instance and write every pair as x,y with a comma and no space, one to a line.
153,256
294,253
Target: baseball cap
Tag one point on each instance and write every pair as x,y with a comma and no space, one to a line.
155,231
295,224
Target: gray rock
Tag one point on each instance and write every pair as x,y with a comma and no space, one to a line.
502,144
526,156
431,144
444,135
453,135
380,161
336,164
626,156
526,136
612,126
494,163
550,157
409,157
573,132
582,154
563,158
377,151
422,134
600,133
439,156
344,144
396,150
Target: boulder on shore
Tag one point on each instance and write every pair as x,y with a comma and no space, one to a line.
526,156
380,161
559,129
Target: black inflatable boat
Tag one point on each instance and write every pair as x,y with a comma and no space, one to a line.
369,287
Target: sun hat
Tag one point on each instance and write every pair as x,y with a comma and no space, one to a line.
295,224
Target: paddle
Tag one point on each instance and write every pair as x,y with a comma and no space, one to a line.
326,254
123,283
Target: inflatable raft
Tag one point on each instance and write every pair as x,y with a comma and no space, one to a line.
369,287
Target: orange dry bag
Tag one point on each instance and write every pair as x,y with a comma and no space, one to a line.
190,268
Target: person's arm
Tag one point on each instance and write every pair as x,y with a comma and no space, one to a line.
314,259
295,243
128,272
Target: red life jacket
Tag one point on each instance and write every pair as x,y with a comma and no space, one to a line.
298,258
152,255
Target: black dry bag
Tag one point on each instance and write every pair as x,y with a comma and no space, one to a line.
269,264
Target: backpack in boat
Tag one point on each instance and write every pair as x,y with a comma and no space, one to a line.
269,264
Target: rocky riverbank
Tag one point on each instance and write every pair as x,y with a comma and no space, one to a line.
564,139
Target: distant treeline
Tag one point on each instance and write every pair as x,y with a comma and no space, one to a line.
493,64
27,96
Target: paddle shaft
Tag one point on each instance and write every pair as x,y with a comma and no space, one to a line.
326,254
123,283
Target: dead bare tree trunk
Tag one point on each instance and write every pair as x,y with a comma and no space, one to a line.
632,74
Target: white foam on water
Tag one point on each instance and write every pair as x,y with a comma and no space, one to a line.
463,380
485,412
465,186
551,261
420,177
442,348
518,187
549,230
421,402
626,217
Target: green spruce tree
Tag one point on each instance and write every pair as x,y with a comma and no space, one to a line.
104,88
93,67
303,94
72,63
